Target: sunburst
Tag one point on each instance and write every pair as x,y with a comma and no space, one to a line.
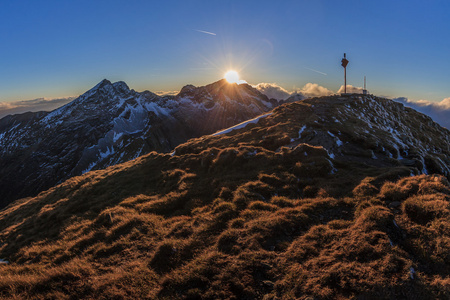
232,76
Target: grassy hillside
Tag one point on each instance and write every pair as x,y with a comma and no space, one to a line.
233,217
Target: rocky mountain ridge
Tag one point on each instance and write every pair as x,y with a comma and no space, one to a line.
354,129
110,124
325,198
378,132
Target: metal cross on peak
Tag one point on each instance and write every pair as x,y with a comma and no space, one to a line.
344,63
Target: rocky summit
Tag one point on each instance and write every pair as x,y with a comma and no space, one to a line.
325,198
110,124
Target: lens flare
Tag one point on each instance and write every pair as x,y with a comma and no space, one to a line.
232,76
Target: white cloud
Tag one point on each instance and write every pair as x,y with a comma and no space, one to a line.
314,90
6,105
40,104
164,93
272,90
438,111
445,104
350,89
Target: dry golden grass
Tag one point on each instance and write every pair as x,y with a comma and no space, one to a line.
232,218
177,229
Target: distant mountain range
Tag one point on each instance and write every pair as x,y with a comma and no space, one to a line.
110,124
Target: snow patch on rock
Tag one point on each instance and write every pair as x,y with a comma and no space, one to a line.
242,125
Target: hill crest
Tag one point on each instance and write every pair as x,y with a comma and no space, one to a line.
252,213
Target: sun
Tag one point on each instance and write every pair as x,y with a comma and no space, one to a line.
232,76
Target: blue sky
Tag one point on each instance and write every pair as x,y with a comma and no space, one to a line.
62,48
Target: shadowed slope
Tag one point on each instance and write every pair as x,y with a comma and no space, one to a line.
111,124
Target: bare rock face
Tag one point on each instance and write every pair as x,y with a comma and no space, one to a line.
110,124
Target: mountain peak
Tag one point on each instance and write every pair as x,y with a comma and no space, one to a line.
101,84
108,89
217,86
187,88
121,86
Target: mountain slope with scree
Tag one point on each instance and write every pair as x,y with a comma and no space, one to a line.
326,198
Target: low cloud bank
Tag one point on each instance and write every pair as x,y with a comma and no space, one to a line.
351,89
438,111
164,93
314,90
40,104
272,90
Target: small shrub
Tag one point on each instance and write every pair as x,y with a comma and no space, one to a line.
166,256
362,205
365,189
339,224
392,174
442,249
281,201
259,205
228,242
226,157
310,191
225,193
378,217
424,209
181,229
223,212
434,184
237,223
167,205
247,193
224,207
392,192
317,167
172,253
322,193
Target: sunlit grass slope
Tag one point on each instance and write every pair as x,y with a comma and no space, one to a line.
233,217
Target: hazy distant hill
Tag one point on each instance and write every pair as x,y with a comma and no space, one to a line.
110,124
318,199
40,104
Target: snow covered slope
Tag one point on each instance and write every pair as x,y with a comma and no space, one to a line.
242,125
110,124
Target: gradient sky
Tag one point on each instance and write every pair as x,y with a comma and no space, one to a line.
63,48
